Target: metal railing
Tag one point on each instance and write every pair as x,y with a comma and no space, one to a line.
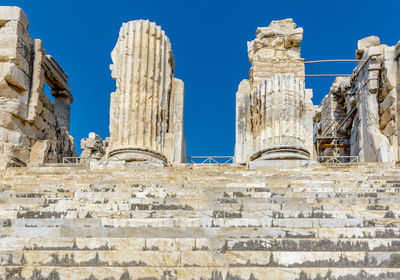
217,160
331,60
78,160
337,159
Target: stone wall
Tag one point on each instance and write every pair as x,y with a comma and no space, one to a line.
367,102
33,129
333,112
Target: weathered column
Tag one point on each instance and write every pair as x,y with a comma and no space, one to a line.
272,107
63,100
140,116
276,114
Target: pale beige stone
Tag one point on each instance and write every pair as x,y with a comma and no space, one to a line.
93,146
146,111
24,68
366,43
39,151
273,111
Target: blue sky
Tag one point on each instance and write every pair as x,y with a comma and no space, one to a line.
208,41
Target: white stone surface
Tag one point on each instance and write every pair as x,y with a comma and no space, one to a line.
146,111
28,118
273,110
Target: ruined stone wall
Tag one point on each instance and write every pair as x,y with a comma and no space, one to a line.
333,112
29,125
369,99
377,112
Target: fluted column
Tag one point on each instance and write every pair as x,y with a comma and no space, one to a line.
272,115
143,68
276,114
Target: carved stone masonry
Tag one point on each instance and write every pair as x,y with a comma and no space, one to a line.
146,113
276,115
33,129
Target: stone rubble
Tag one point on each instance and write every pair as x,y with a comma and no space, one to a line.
93,146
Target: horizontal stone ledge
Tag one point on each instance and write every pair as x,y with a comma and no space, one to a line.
128,258
198,273
219,244
206,222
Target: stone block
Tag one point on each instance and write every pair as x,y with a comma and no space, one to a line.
388,115
39,152
366,43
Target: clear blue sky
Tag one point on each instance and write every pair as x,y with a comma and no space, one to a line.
209,45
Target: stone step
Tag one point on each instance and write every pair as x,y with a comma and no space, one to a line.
124,210
215,244
21,190
197,273
115,212
128,258
199,232
57,219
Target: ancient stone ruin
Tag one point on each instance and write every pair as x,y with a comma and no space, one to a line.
146,113
273,109
293,206
33,129
359,116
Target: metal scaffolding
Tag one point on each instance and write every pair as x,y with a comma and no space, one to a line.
331,138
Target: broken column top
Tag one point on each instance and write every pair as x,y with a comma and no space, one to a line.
275,50
279,35
365,43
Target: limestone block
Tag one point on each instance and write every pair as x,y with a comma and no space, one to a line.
365,43
46,102
275,51
388,115
12,152
39,151
93,146
49,116
14,76
8,13
390,128
7,120
387,102
14,137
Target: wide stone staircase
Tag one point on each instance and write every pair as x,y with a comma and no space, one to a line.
200,222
